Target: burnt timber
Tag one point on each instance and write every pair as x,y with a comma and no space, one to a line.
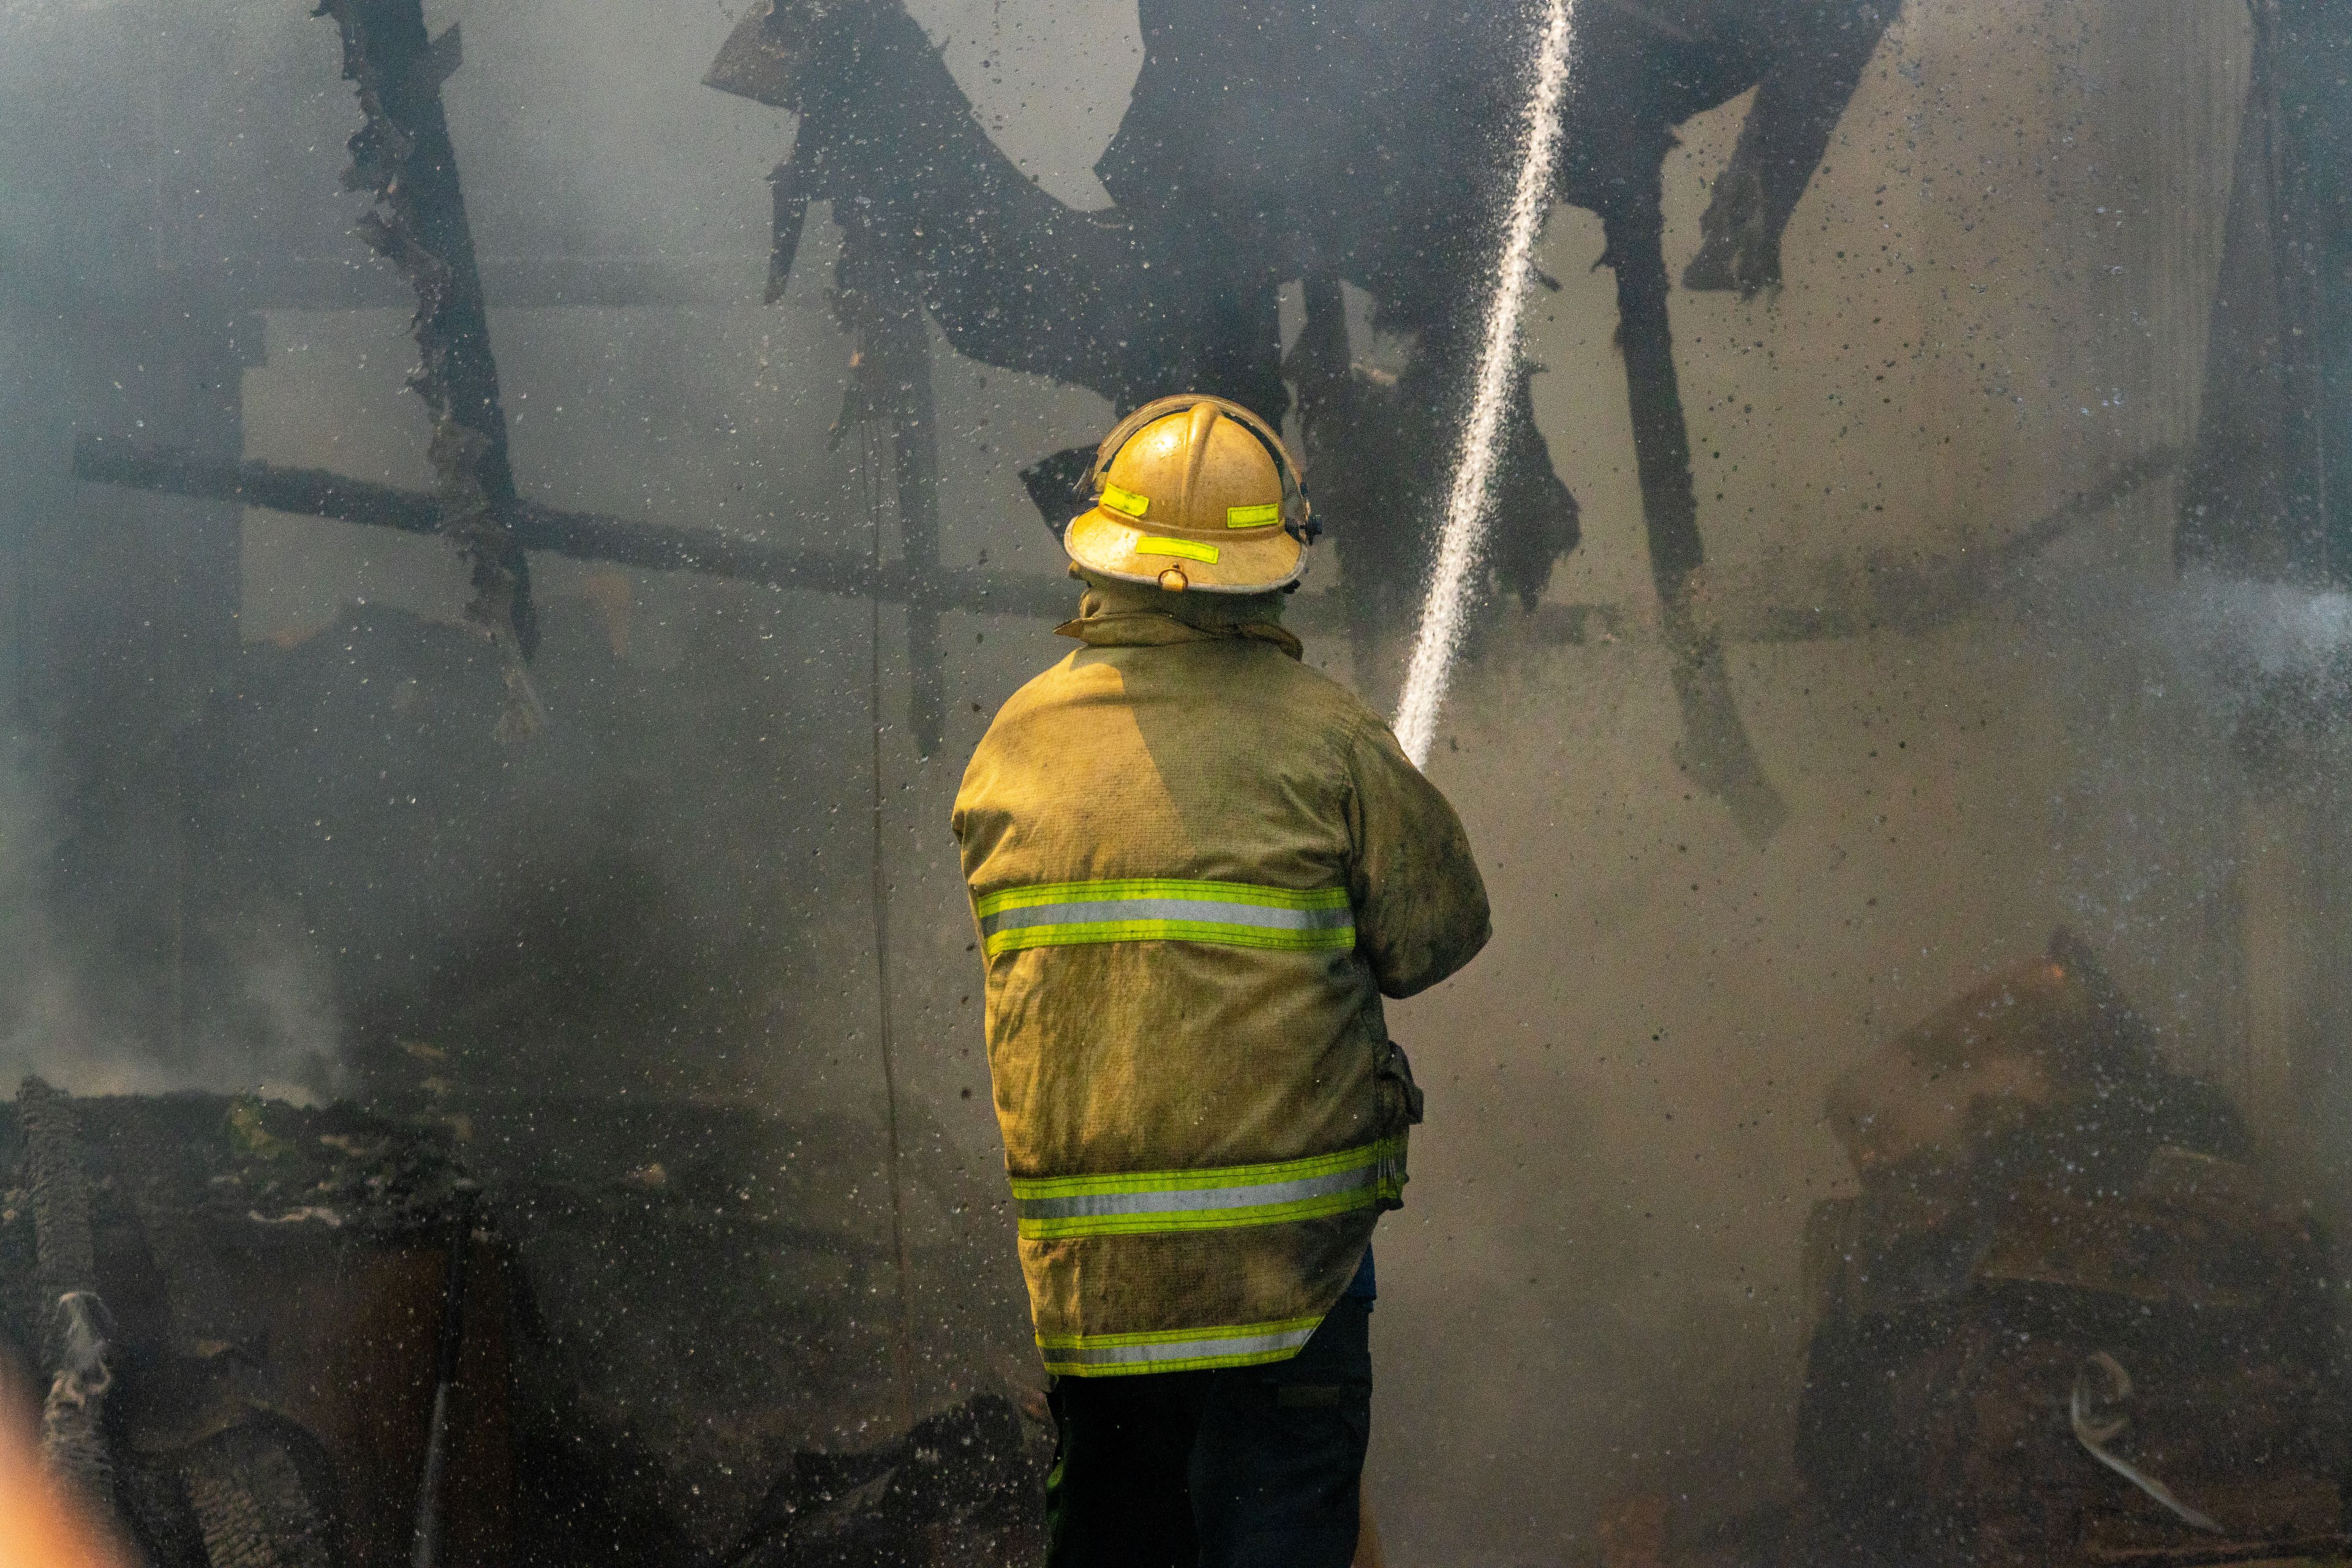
1912,601
577,535
402,157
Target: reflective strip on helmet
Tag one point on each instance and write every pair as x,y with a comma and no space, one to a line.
1220,1198
1254,516
1233,914
1175,1350
1127,501
1183,547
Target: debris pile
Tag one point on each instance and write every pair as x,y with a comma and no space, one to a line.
2063,1320
248,1323
966,1486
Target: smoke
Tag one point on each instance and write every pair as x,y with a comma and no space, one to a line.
39,1000
29,11
254,1011
47,1023
2233,649
1467,503
2250,633
667,897
285,1037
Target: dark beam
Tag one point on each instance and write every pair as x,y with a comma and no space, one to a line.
1716,752
1913,601
401,157
526,282
579,535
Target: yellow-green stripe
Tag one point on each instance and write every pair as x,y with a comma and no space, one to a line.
1366,1197
1232,914
1182,549
1175,1350
1258,1174
1213,1198
1166,888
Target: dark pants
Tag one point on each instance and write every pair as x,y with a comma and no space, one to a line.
1248,1467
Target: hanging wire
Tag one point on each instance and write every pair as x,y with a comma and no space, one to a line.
869,462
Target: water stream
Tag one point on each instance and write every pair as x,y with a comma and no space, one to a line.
1432,670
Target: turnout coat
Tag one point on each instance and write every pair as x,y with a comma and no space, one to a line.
1196,866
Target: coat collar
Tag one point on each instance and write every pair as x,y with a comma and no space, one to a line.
1117,615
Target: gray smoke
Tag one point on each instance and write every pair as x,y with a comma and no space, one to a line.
256,1015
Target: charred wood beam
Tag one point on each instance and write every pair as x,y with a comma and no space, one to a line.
1014,277
402,156
1801,95
1918,603
1716,750
74,1448
578,535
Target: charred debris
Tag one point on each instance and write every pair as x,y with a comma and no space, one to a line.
1177,284
2067,1317
309,1337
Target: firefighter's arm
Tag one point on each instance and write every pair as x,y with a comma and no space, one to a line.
1421,906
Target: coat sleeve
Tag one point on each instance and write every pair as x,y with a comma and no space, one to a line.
1421,905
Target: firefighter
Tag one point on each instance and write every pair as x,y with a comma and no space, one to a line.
1196,867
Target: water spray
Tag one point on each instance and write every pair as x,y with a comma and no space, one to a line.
1432,670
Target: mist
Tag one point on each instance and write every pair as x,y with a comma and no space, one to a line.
257,834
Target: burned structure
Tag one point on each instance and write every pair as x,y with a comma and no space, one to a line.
270,1335
1222,198
251,1323
2066,1318
2267,490
622,974
1278,142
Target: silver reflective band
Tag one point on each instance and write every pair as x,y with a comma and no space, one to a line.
1370,1176
1200,1198
1166,909
1200,910
1207,1348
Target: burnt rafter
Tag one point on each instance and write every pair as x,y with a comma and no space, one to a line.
578,535
1915,599
402,157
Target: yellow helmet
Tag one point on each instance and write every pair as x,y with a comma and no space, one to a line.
1194,492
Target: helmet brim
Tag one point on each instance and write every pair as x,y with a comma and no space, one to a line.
1246,560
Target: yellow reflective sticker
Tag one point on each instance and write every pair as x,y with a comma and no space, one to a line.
1183,547
1126,501
1254,516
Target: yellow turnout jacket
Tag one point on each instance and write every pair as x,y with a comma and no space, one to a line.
1196,866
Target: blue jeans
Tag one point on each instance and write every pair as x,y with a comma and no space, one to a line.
1248,1466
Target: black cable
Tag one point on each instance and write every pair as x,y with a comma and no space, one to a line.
905,1357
